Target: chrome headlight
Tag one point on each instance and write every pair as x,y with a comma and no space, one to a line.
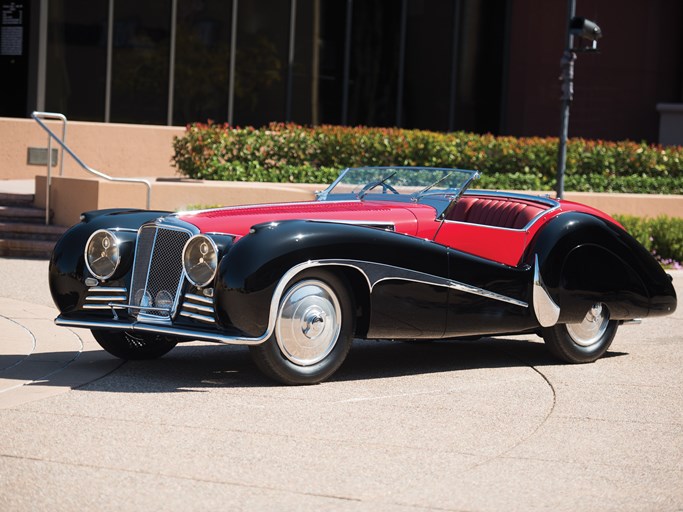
102,255
200,259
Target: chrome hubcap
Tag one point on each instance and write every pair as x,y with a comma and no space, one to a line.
308,322
591,329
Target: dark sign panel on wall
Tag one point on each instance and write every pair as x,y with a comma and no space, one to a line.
12,37
13,59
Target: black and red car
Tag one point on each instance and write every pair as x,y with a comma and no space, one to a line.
382,253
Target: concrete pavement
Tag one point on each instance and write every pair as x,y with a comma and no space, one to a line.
489,425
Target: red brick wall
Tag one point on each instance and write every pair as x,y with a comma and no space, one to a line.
616,91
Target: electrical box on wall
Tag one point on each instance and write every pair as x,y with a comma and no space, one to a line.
38,156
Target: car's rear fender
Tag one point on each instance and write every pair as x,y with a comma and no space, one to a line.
585,259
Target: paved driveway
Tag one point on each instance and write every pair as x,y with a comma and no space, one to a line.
488,425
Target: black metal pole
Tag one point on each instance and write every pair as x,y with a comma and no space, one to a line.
567,78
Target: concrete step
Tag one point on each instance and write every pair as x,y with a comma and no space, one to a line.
22,214
22,248
11,199
22,230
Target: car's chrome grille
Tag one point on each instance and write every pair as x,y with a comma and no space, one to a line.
100,297
199,308
158,272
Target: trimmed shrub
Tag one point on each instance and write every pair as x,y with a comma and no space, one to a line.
662,236
293,153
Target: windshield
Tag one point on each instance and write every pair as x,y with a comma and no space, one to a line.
406,182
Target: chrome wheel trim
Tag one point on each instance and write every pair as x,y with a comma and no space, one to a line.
591,330
308,322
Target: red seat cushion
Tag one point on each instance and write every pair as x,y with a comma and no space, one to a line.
499,212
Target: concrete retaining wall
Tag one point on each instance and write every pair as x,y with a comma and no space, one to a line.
120,150
72,196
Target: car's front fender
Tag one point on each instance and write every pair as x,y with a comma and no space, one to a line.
250,271
67,270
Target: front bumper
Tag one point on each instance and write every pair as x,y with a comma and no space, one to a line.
166,330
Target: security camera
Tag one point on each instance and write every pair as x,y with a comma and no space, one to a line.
585,29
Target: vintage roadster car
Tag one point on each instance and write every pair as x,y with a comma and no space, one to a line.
382,253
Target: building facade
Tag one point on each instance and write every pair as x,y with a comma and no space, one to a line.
475,65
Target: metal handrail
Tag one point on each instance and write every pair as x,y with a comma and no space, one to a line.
48,183
39,117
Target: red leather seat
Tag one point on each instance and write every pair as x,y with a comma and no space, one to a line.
499,212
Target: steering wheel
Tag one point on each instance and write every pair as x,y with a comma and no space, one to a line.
386,186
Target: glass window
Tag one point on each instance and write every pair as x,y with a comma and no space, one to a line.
202,64
332,40
304,72
480,65
261,64
140,61
374,63
76,59
427,79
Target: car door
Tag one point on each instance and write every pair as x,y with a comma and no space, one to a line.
502,245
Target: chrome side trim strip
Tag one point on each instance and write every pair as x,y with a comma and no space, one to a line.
515,195
546,311
525,228
377,272
373,273
634,321
390,226
462,287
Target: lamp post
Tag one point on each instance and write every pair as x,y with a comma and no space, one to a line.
589,31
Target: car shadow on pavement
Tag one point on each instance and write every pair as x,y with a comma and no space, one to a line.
392,359
199,367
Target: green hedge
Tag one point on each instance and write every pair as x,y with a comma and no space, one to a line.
662,236
293,153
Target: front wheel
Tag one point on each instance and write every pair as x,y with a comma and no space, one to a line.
585,341
313,330
133,346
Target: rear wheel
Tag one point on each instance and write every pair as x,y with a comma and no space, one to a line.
133,346
313,330
585,341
